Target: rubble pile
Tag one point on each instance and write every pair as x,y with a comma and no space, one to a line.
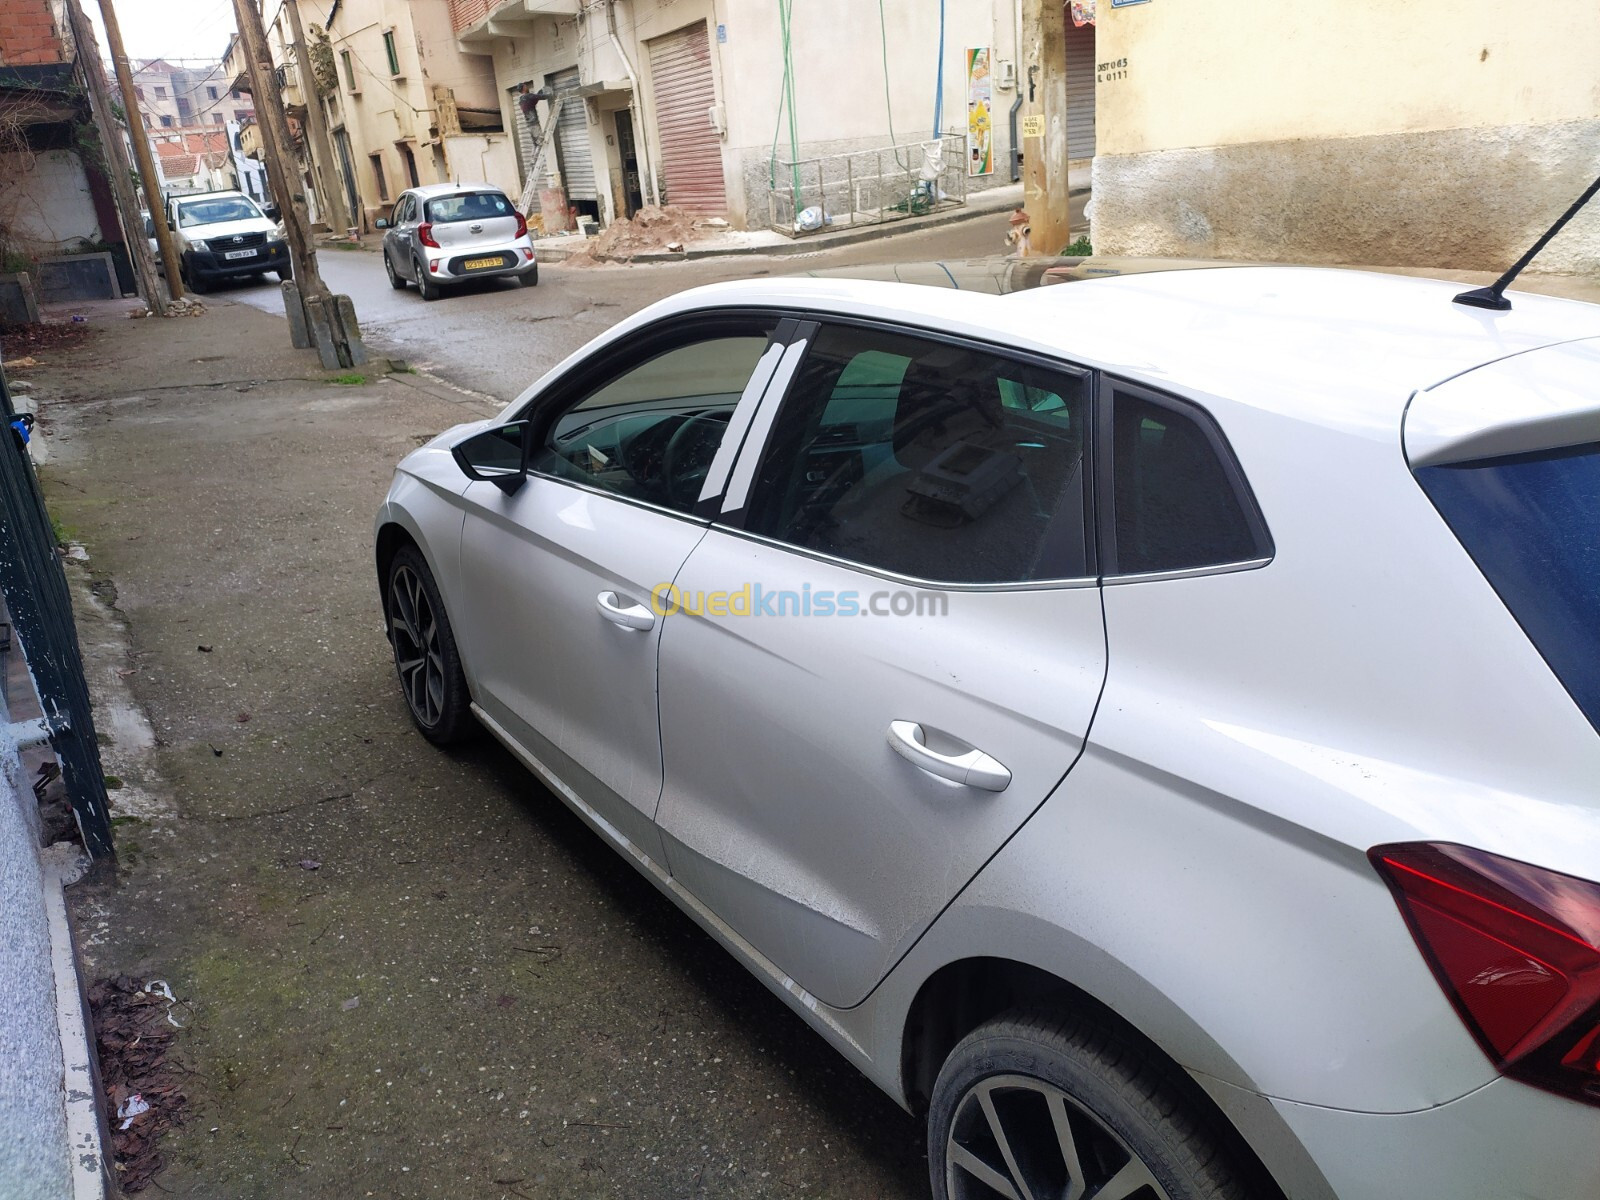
650,229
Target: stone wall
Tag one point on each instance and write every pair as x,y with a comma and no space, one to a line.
1469,199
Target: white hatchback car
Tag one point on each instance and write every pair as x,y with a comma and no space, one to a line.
443,234
1149,725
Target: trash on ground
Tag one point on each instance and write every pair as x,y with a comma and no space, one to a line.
309,864
134,1106
353,1002
134,1035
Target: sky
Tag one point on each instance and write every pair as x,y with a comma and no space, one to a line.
172,29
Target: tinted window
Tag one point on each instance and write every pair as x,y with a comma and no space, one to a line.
650,431
474,206
1176,504
928,459
1532,524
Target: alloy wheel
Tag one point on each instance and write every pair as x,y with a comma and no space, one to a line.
1021,1138
414,631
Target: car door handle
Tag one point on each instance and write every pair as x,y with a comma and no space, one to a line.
619,612
974,768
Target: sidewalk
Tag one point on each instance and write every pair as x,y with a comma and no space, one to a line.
404,972
770,243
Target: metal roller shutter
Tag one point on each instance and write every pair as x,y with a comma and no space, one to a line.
572,138
1080,91
691,150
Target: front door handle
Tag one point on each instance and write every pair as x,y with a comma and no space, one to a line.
619,612
974,768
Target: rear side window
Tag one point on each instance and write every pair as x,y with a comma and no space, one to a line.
932,459
474,206
1179,499
1532,524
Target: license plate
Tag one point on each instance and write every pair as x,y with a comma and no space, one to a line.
240,254
475,264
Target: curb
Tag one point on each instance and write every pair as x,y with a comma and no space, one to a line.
91,1172
808,245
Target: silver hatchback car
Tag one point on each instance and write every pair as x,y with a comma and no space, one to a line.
1150,725
446,233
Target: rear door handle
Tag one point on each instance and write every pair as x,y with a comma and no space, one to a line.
619,612
974,768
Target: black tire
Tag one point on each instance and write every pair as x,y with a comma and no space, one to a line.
425,654
194,282
1129,1111
396,280
284,274
425,284
531,279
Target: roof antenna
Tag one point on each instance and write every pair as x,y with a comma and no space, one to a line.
1490,297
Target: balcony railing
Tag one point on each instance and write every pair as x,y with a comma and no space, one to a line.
468,16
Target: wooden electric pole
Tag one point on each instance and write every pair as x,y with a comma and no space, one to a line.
328,190
1044,124
316,318
116,160
148,178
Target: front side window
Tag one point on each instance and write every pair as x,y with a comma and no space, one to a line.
1530,523
650,431
1178,499
919,457
470,206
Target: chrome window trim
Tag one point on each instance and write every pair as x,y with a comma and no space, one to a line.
744,413
1249,564
932,585
689,517
743,476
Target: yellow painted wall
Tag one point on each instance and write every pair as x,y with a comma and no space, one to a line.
1241,71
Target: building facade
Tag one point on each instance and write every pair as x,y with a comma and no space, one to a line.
1428,133
55,198
685,101
409,106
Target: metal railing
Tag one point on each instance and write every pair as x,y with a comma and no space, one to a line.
34,583
868,187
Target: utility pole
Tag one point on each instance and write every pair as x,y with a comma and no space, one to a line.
328,189
1044,123
316,318
141,149
116,155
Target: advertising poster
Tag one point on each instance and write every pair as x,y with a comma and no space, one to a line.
980,112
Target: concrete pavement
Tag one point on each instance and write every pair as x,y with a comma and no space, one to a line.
410,973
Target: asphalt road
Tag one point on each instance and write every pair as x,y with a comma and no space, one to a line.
495,337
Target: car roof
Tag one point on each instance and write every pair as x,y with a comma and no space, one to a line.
1337,347
429,190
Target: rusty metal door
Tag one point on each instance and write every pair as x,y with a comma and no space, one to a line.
691,148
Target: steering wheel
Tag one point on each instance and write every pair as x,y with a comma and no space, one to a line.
687,459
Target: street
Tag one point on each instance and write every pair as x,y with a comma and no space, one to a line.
495,338
404,972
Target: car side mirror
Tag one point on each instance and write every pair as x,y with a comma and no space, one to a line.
498,456
272,212
382,224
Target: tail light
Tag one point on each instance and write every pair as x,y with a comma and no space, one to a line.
1516,948
522,225
425,235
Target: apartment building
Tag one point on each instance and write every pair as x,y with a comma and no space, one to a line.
685,100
